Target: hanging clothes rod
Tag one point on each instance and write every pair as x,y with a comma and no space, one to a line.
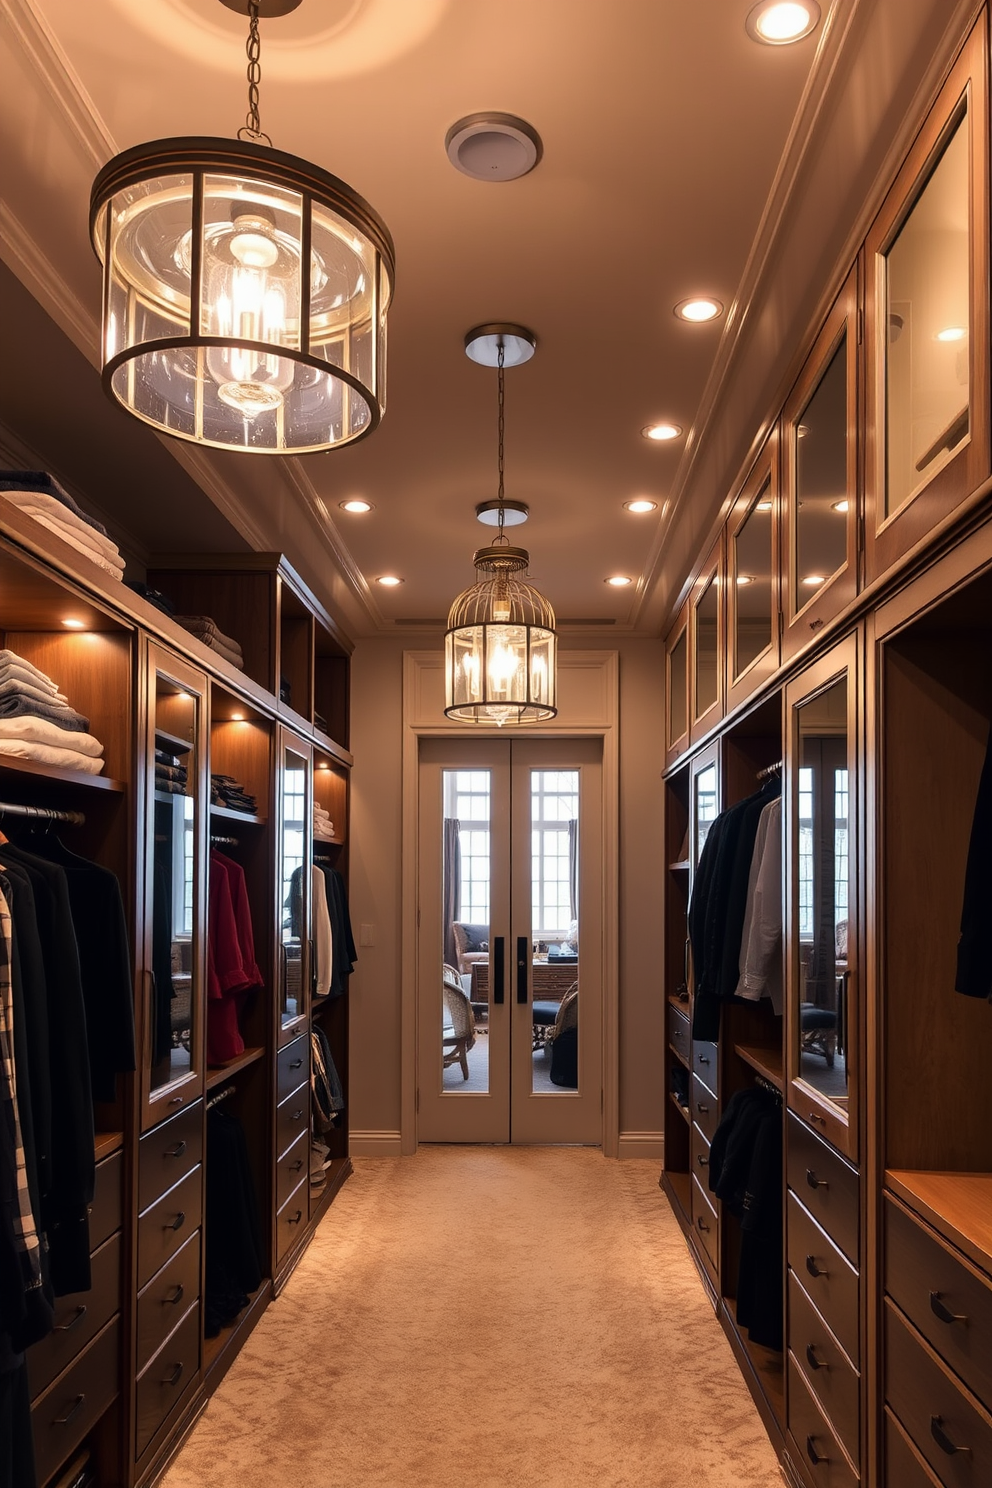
43,813
768,1085
215,1100
774,769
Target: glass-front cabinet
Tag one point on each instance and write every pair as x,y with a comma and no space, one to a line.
294,786
927,322
174,947
823,888
753,579
677,688
820,464
706,618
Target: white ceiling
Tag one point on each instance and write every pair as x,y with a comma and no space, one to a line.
679,158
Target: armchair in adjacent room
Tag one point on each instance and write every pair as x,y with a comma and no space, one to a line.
471,944
458,1027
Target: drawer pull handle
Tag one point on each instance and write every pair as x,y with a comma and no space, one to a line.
702,1224
942,1439
177,1223
939,1309
703,1162
815,624
177,1100
179,1291
814,1182
296,1064
175,1376
61,1420
77,1317
176,1151
703,1058
703,1110
296,1217
814,1456
813,1361
295,1167
815,1117
297,1114
813,1268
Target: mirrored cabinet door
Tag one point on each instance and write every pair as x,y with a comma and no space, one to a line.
819,432
677,688
927,323
752,580
293,882
704,800
172,1075
823,896
706,622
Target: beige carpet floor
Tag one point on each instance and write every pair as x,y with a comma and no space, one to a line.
487,1317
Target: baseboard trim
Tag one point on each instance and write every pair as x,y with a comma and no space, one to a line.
375,1144
641,1144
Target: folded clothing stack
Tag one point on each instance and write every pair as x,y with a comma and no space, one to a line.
226,791
170,773
208,631
41,497
323,827
37,723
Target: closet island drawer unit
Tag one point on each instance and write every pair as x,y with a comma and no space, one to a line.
948,1425
705,1063
105,1210
168,1153
292,1218
292,1067
824,1460
292,1168
164,1227
292,1119
166,1378
166,1298
827,1277
825,1184
904,1467
700,1156
827,1370
946,1298
705,1108
706,1224
678,1032
78,1318
75,1401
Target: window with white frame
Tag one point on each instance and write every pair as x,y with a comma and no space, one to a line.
554,810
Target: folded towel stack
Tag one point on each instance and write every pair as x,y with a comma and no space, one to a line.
171,774
226,791
41,497
208,631
323,827
37,723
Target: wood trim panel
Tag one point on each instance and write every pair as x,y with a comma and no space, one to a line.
712,573
763,483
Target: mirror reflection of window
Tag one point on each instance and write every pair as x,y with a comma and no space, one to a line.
822,500
928,321
705,806
752,579
465,899
554,829
706,620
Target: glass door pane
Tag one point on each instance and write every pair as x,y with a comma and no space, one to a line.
554,930
751,576
822,499
465,983
706,615
294,886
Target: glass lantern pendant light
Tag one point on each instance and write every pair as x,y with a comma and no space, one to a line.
244,290
500,649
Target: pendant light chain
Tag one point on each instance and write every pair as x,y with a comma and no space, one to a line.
252,127
501,535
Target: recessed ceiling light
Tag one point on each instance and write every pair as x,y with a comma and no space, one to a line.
663,430
493,147
764,505
74,624
640,505
618,581
779,22
514,513
813,579
843,506
356,504
952,333
698,310
390,581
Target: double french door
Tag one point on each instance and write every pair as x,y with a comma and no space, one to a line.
510,951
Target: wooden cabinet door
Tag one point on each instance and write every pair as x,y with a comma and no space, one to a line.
707,622
677,688
753,579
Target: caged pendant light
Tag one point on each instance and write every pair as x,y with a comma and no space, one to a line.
500,649
245,291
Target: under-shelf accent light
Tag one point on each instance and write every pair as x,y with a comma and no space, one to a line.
245,290
500,648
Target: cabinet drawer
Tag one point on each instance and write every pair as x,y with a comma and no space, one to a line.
822,1454
71,1406
166,1298
827,1276
706,1224
106,1208
678,1032
705,1063
943,1419
166,1379
292,1218
826,1184
78,1318
292,1067
705,1108
292,1168
904,1467
828,1371
168,1153
167,1224
948,1300
292,1118
700,1156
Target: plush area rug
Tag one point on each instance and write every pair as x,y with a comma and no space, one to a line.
487,1317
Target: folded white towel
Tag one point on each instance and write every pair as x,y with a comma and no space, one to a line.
38,503
47,754
80,544
24,678
29,690
41,679
40,731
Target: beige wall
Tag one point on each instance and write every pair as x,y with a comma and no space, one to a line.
375,835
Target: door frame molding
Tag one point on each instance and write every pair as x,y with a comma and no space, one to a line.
589,707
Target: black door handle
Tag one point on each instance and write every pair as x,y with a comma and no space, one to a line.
814,1456
177,1223
77,1317
176,1151
942,1439
62,1420
941,1310
521,968
813,1268
813,1182
813,1360
499,969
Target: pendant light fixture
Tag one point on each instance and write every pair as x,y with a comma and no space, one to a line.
244,290
500,649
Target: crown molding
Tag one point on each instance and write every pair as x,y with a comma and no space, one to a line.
32,37
303,488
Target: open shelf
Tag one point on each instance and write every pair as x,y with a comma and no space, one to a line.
682,1110
104,1143
166,796
768,1365
958,1205
171,743
217,1074
766,1062
248,817
10,765
219,1352
680,1057
680,1188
